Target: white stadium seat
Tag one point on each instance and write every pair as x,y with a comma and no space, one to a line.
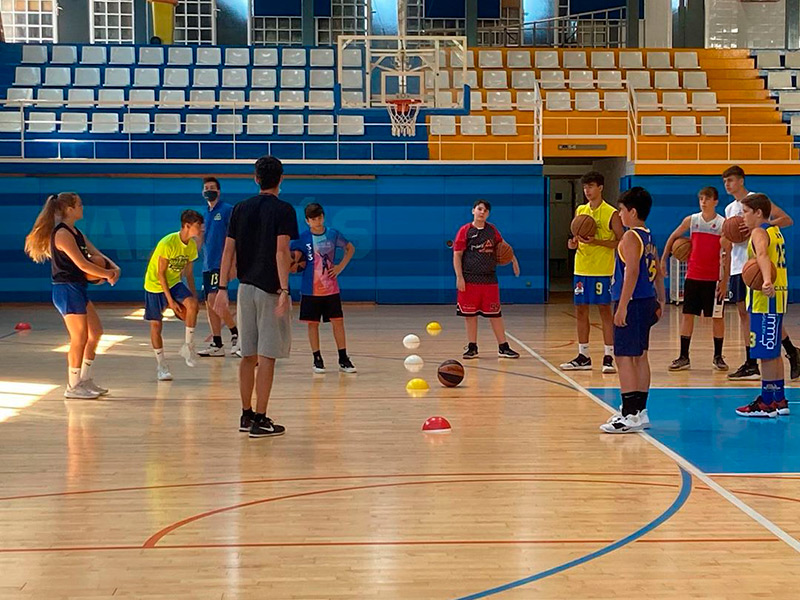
519,59
320,125
638,80
352,98
292,99
205,78
499,100
151,55
443,125
353,58
175,99
49,98
232,97
713,126
87,77
686,60
293,57
93,55
654,125
471,79
262,99
523,80
546,59
229,125
42,122
321,78
293,78
237,57
260,124
74,122
320,100
615,101
526,100
117,77
603,60
667,80
166,123
473,125
675,101
552,80
105,122
587,101
558,101
792,60
18,96
146,78
209,56
176,78
504,125
646,101
695,80
122,55
769,60
64,55
57,77
490,59
198,124
351,124
136,123
575,59
80,98
352,79
684,126
180,56
234,78
264,78
10,121
658,60
290,124
780,80
706,101
265,57
322,57
202,99
581,80
630,60
456,59
142,98
110,98
609,80
31,76
33,55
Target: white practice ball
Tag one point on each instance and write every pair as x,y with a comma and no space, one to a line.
414,363
411,341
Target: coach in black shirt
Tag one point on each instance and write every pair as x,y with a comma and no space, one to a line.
258,238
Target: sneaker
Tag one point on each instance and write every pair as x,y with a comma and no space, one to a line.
80,393
680,364
236,349
189,355
783,407
643,417
246,422
719,363
619,424
794,364
746,371
347,366
579,363
264,427
758,409
90,385
507,352
162,373
319,365
608,364
211,350
470,351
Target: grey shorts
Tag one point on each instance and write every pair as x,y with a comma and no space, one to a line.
261,331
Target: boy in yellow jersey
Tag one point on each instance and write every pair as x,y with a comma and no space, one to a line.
594,265
766,307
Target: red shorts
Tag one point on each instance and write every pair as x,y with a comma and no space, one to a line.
479,299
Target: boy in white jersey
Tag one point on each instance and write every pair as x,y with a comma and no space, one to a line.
705,287
733,178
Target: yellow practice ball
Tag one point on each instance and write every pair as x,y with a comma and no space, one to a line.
417,384
434,328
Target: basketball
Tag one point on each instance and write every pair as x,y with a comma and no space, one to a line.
450,373
731,230
100,262
181,312
682,248
504,253
751,274
583,226
298,262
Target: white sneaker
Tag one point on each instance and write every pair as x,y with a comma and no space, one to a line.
189,355
90,385
211,350
619,424
80,393
162,373
236,349
645,418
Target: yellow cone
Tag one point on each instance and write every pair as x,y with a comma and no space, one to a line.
434,328
417,384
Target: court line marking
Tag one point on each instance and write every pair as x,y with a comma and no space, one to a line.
680,460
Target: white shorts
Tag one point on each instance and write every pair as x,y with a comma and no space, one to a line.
261,331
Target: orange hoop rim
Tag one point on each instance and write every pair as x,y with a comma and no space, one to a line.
403,105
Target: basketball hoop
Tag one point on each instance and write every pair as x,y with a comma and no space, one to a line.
403,114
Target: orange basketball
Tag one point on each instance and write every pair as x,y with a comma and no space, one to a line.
298,262
682,248
751,274
450,373
504,253
100,262
181,312
731,229
583,226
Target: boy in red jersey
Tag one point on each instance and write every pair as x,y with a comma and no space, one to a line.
706,276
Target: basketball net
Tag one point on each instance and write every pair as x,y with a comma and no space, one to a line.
403,115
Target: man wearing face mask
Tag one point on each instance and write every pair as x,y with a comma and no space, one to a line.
217,216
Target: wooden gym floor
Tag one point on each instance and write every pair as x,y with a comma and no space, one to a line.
153,493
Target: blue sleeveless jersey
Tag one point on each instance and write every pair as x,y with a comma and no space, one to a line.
648,268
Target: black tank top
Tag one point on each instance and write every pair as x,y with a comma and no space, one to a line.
62,269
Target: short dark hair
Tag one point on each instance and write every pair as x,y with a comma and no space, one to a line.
212,180
593,177
269,171
486,203
734,170
759,202
191,217
709,192
314,210
638,198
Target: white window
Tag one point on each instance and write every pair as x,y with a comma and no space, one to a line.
195,22
276,30
30,20
111,21
348,17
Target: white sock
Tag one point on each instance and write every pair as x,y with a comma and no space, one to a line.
608,350
74,376
159,355
86,369
190,335
583,349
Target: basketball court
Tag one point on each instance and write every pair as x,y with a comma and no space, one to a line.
152,492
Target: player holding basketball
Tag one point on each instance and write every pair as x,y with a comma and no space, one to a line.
320,299
637,288
706,275
475,264
766,307
55,236
594,264
733,178
171,262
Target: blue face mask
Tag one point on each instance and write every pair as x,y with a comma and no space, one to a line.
210,195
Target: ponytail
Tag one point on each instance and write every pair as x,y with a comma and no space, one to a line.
37,242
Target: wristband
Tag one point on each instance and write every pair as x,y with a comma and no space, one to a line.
222,287
283,291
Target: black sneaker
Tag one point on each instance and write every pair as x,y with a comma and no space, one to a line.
608,364
264,427
347,366
319,365
246,421
680,364
507,352
746,371
579,363
794,364
471,351
719,363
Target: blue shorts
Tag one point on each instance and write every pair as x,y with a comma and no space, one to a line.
737,291
592,290
210,282
634,338
70,298
765,335
156,303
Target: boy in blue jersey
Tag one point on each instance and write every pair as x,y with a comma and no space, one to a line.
637,290
320,291
217,216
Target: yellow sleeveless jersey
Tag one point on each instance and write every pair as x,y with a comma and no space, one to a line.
757,302
596,261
